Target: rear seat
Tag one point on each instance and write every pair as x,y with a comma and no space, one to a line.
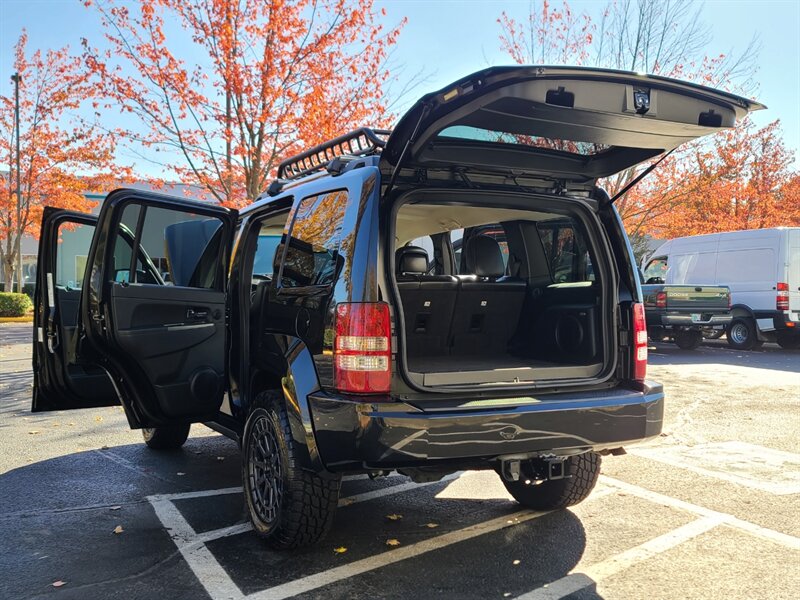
428,302
488,306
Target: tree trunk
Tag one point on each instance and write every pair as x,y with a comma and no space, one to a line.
9,261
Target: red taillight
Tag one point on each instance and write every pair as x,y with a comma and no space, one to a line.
639,343
661,300
362,352
782,298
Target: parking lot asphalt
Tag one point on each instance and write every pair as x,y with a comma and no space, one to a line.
709,510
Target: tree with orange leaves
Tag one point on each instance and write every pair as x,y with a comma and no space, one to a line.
62,156
737,179
743,180
255,81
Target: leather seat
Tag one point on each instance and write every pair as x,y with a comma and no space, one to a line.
428,302
489,304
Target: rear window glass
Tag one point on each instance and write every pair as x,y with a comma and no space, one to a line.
467,132
312,257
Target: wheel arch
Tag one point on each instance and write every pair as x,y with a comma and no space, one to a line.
295,376
742,310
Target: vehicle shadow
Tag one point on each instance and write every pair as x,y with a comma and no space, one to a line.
65,509
768,356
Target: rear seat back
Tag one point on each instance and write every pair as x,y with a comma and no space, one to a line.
488,305
428,302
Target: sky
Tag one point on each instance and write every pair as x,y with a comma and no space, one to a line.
447,39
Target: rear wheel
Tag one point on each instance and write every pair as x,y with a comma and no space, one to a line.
581,473
288,506
170,437
742,334
788,341
688,339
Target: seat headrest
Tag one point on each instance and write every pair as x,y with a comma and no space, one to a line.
483,257
411,260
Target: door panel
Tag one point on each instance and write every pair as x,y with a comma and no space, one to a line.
157,318
175,336
61,381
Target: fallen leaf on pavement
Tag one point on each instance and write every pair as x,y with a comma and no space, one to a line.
98,419
340,550
392,542
347,501
516,562
431,525
180,474
220,458
33,432
115,507
59,583
118,529
394,517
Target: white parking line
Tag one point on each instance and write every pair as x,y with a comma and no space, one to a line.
313,582
783,539
205,567
595,573
757,467
395,489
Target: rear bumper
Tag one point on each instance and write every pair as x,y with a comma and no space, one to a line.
353,435
704,320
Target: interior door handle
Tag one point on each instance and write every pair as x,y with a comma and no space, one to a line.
196,314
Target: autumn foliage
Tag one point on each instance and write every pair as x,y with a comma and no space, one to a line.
740,179
62,155
225,90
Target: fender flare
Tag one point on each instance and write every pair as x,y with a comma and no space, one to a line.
296,377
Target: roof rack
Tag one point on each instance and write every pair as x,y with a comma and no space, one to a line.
359,142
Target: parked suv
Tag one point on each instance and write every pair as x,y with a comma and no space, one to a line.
331,327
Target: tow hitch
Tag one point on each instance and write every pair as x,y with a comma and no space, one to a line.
533,471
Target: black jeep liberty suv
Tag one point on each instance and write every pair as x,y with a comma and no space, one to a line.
457,293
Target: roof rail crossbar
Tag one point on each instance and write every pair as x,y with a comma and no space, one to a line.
359,142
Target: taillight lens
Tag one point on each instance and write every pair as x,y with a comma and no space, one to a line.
362,353
782,298
661,300
639,343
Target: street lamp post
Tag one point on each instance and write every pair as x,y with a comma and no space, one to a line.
17,79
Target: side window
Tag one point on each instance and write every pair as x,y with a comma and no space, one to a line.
312,257
270,232
567,253
71,253
656,270
175,247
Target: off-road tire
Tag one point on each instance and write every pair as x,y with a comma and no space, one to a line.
170,437
688,340
742,334
788,342
301,504
582,472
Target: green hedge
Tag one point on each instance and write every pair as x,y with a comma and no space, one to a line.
27,289
14,305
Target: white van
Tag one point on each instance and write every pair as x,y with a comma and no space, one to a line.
760,266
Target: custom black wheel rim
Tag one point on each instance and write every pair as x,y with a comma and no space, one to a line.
264,471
